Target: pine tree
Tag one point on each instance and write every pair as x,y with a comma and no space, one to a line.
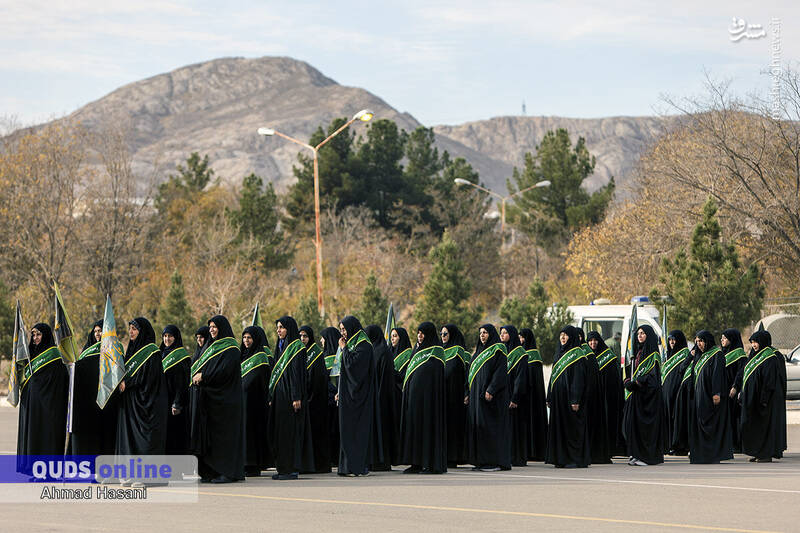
175,309
709,286
308,314
374,304
444,297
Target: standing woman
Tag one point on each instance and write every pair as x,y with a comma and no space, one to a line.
255,383
329,339
142,422
735,359
94,430
423,428
671,379
611,395
289,423
176,362
537,442
596,415
710,438
455,380
401,352
388,407
317,400
43,400
518,413
684,405
217,417
567,433
488,425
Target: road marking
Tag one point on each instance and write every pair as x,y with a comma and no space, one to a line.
479,511
630,481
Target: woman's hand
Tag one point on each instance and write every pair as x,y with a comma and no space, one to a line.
716,399
176,411
197,378
342,342
466,400
488,396
297,404
575,407
512,405
122,386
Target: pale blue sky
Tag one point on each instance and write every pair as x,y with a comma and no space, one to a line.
443,62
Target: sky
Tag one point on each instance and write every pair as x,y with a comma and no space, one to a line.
442,62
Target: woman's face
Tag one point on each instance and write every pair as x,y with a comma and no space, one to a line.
133,332
395,338
420,337
281,331
483,335
641,336
563,338
672,342
200,340
98,333
168,339
36,336
342,331
755,346
304,338
504,336
445,335
247,340
213,329
522,340
593,344
700,344
723,340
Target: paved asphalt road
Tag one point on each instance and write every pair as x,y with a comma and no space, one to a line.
737,496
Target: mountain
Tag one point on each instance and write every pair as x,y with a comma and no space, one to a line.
216,108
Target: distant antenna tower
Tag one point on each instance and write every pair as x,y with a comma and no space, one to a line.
523,108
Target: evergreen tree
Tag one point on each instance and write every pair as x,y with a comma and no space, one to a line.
709,286
444,297
175,309
308,314
181,190
7,312
534,311
374,304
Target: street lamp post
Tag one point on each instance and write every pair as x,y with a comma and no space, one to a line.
365,115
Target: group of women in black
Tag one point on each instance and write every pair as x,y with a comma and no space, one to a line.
355,401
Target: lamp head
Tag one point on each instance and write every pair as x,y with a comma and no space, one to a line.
545,183
266,131
462,181
365,115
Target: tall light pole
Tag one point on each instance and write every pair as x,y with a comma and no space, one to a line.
365,115
503,200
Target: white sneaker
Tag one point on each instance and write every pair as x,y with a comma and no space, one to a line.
631,460
637,462
137,485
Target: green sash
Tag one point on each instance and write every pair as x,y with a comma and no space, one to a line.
94,349
673,362
534,356
645,366
605,358
312,354
174,357
136,361
453,352
280,367
734,355
422,357
702,362
329,359
401,359
217,347
516,355
254,361
755,362
687,373
37,363
481,359
567,360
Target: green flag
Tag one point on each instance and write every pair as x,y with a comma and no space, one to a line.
257,317
390,323
63,333
664,335
20,357
112,358
632,327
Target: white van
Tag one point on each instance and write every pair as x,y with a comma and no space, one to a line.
611,319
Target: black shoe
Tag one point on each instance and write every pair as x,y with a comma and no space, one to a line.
222,479
476,468
413,469
285,477
452,464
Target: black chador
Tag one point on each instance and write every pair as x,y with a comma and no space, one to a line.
317,376
595,404
455,379
518,407
488,425
94,429
401,352
142,422
735,358
423,427
359,426
216,437
44,386
677,360
537,442
567,433
255,371
388,406
176,362
289,422
644,420
611,396
709,428
683,410
763,422
329,339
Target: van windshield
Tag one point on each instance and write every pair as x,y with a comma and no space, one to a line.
606,327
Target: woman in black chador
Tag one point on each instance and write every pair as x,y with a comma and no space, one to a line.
317,400
735,358
217,415
177,364
644,421
455,380
289,423
388,406
567,433
329,339
488,424
611,396
518,408
675,364
94,430
599,445
43,400
537,442
255,383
